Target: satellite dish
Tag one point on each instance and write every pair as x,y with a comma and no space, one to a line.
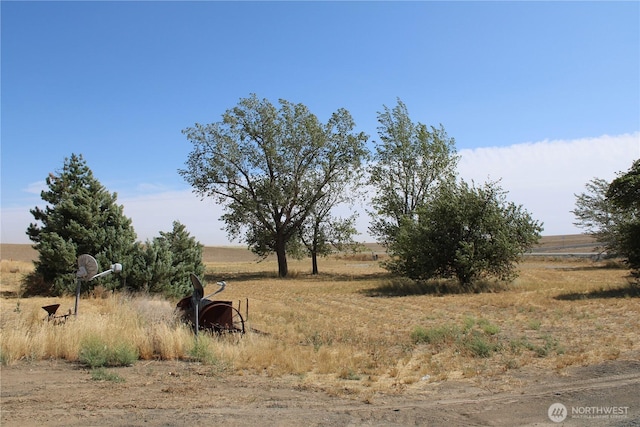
87,267
88,270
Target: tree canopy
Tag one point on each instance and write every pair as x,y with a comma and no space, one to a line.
610,211
466,232
270,167
624,194
81,216
411,161
624,191
163,265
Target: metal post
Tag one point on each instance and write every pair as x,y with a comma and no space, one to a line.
197,309
75,311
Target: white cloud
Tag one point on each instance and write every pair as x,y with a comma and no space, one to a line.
156,212
541,176
147,188
545,176
36,187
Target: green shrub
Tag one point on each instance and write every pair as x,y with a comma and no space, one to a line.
101,374
436,336
488,327
123,354
480,341
95,353
201,352
479,346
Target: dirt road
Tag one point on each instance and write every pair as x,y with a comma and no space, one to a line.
58,393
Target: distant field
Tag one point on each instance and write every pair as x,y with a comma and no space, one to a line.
566,243
13,252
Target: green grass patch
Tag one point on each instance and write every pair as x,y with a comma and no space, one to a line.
438,336
101,374
534,324
480,344
95,353
548,346
202,351
480,338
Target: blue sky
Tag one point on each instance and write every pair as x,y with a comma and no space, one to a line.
545,95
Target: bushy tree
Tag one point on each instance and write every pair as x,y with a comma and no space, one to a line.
597,216
186,258
164,263
624,191
609,212
81,216
464,232
270,167
410,163
152,267
624,194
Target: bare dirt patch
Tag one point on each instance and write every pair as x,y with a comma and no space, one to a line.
58,393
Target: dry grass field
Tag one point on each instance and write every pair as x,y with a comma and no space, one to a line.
352,330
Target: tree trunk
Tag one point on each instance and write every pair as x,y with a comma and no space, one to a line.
314,263
281,247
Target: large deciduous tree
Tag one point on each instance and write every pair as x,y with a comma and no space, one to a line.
270,167
411,161
81,216
464,232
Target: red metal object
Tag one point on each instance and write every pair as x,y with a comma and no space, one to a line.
213,316
51,314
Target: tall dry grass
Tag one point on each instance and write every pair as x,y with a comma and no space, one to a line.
341,328
145,323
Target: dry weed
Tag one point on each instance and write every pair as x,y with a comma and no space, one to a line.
328,330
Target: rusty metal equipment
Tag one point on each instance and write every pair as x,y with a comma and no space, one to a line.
207,315
51,314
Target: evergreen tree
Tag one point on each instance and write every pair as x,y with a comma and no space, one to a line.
80,217
186,258
163,264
